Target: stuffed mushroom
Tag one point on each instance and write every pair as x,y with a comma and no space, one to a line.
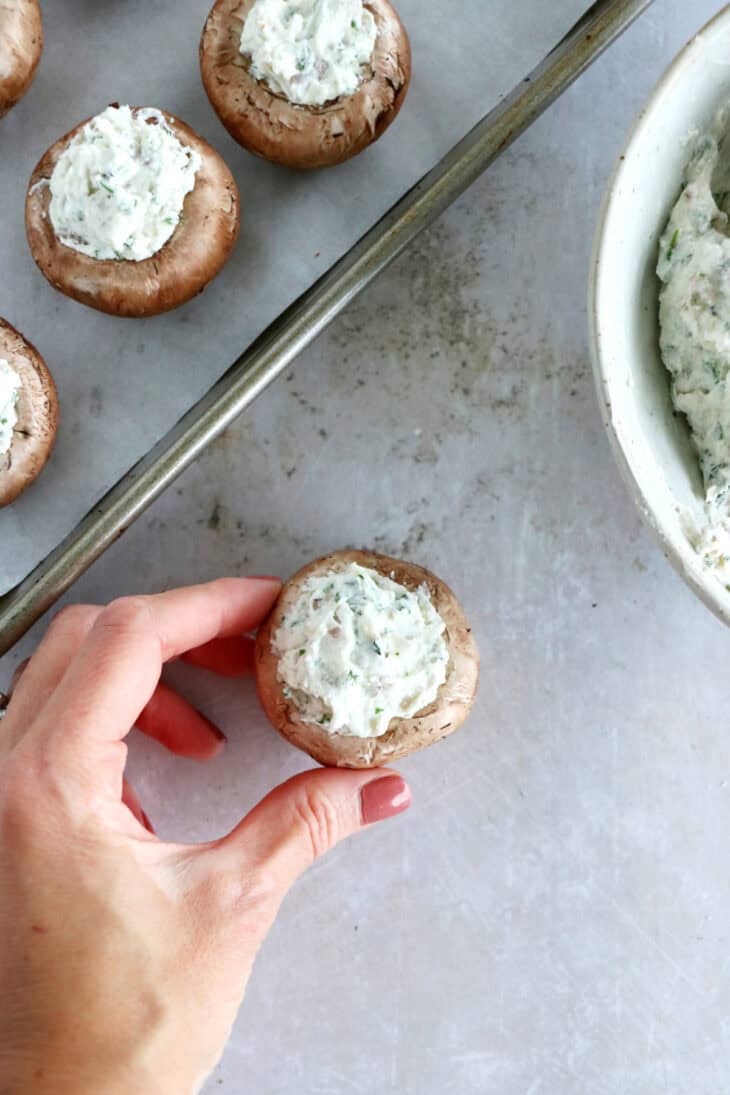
28,413
366,659
132,212
305,83
21,45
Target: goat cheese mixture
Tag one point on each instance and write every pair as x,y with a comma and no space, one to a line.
310,51
118,189
357,650
9,392
694,267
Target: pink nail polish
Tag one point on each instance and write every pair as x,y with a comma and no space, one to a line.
384,798
213,728
148,824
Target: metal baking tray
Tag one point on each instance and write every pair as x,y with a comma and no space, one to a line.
274,349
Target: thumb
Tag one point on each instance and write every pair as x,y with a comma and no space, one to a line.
307,816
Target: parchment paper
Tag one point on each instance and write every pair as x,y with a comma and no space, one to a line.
123,383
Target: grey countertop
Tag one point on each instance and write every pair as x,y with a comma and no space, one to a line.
551,917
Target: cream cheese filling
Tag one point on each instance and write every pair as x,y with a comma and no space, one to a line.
694,268
358,649
118,189
309,51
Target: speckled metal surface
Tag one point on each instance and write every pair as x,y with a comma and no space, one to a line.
551,917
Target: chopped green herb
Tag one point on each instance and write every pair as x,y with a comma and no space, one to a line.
302,653
352,676
378,710
353,24
673,244
301,64
106,187
324,719
377,649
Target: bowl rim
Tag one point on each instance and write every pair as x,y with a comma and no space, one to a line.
682,556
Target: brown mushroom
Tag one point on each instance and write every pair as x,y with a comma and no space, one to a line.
303,136
21,45
37,410
404,736
195,253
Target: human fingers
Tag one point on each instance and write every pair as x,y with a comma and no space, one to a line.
299,822
168,718
115,672
37,678
230,657
177,725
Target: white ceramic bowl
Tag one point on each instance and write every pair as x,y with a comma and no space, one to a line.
651,444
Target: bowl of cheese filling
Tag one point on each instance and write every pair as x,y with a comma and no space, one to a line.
366,659
660,313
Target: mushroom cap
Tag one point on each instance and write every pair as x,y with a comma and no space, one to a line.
21,45
294,135
35,432
440,718
191,258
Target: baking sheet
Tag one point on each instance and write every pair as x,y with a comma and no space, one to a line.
123,383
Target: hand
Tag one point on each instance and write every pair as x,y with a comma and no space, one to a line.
123,959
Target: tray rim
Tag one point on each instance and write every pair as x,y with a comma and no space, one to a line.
294,329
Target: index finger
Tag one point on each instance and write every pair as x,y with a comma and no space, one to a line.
116,670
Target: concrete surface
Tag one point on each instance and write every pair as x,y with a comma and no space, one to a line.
552,916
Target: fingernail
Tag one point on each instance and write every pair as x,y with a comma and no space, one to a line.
214,729
383,798
217,734
264,578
